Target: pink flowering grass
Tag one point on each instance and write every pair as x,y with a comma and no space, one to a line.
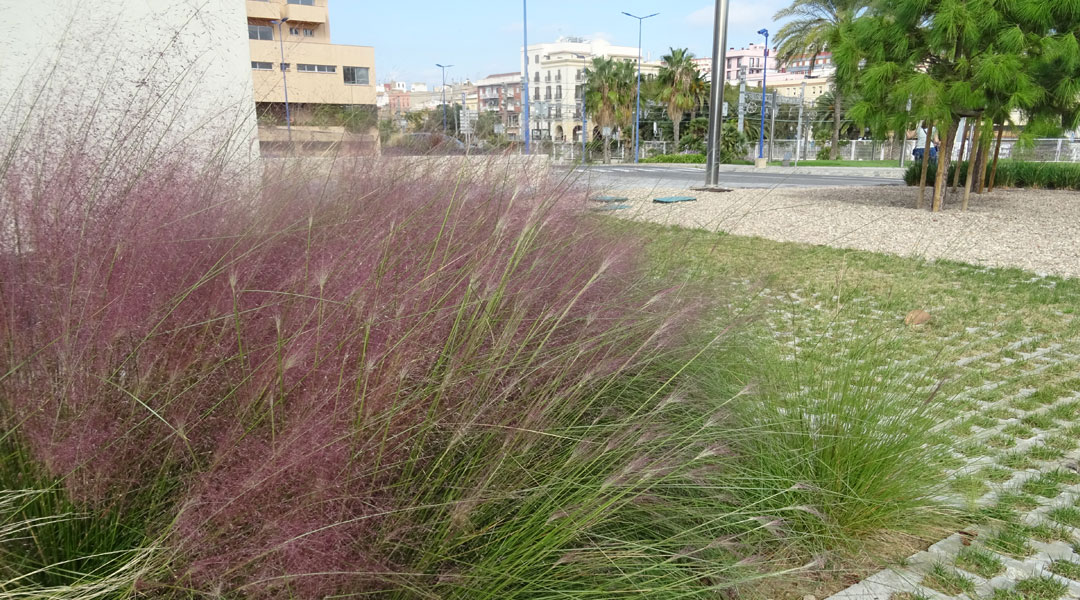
411,379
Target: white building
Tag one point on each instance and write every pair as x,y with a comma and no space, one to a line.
753,58
556,83
501,93
176,71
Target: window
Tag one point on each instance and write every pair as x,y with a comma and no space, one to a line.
558,92
536,79
316,68
309,33
260,32
304,2
355,75
294,31
262,66
536,59
284,66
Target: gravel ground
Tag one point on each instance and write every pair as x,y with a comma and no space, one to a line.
1036,230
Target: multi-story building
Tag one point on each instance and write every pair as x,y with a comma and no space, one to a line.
174,72
501,93
557,83
317,72
753,58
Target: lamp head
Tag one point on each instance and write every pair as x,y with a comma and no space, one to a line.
764,32
280,21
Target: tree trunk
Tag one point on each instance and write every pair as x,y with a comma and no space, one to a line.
834,152
925,165
984,150
607,149
997,153
942,179
675,129
960,155
971,166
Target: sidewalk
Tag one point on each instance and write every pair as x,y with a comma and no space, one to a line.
890,172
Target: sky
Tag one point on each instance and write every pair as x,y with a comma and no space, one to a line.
483,37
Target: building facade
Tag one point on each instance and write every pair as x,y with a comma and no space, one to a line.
501,94
557,84
158,70
751,57
314,70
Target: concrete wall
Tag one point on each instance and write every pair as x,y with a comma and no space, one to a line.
148,76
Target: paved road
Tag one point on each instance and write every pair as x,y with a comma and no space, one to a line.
649,176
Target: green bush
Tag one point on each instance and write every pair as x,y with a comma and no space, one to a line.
733,147
1012,174
696,159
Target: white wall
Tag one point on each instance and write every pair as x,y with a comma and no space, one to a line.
150,76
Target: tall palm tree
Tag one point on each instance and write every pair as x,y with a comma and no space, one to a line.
609,96
815,29
677,79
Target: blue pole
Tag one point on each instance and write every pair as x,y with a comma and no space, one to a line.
637,112
764,74
584,115
525,32
444,100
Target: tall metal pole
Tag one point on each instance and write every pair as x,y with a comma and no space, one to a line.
444,68
764,73
284,79
525,87
799,134
716,95
637,112
584,115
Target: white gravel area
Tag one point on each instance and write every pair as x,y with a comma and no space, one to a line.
1036,230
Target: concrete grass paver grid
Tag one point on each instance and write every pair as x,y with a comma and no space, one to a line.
1012,413
1014,417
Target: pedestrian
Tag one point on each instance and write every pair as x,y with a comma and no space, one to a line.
920,143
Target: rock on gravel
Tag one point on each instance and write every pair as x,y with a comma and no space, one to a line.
1036,230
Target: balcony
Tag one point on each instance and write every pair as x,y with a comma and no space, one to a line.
306,14
259,9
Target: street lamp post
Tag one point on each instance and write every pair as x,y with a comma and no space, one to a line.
716,94
584,115
444,68
764,73
284,79
637,112
525,84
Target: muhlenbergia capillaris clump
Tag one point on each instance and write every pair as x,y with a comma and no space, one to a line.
417,380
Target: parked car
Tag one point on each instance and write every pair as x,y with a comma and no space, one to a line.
423,144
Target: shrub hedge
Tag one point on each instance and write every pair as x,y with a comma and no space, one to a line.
697,159
1013,174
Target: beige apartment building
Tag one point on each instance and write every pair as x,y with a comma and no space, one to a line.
557,82
315,71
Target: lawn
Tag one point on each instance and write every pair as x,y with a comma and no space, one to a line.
842,163
1002,344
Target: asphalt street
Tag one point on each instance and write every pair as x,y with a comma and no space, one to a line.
654,176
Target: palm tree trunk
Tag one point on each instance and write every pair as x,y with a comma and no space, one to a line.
997,153
675,129
925,165
607,149
834,152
